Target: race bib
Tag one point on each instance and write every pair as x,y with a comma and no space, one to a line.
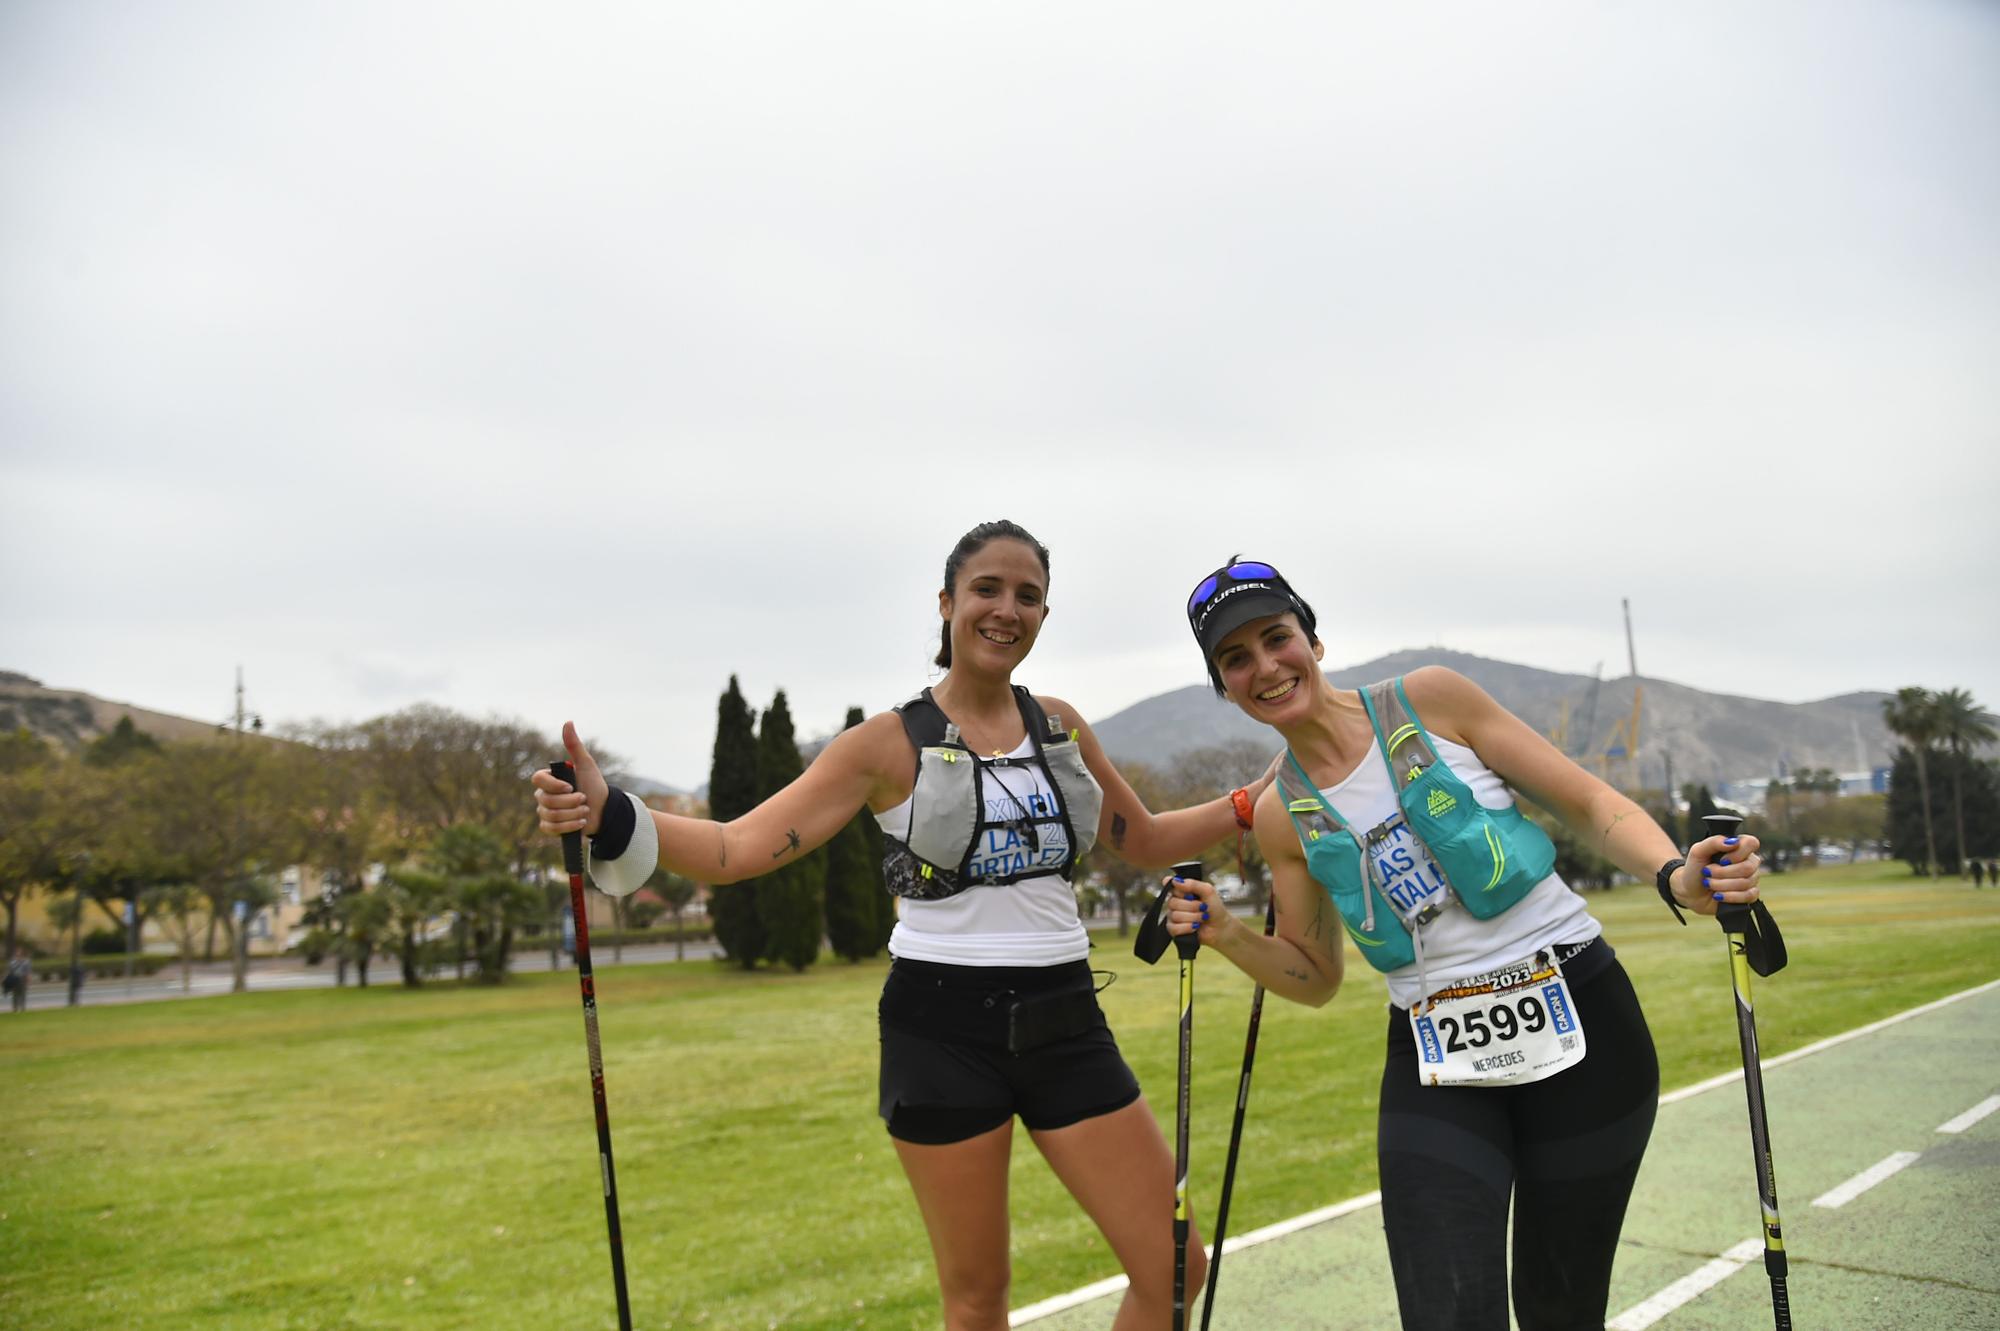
1505,1028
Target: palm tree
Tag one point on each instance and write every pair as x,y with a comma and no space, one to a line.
1912,716
1963,725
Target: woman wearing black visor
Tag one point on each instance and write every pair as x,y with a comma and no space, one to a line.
1519,1066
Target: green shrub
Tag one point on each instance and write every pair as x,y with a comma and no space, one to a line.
104,942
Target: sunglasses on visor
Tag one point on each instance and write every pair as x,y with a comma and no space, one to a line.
1248,570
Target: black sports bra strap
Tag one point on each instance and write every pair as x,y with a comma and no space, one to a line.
923,720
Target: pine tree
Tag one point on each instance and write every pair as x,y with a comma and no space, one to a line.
854,883
732,792
790,898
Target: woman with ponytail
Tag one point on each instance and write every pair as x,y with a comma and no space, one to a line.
988,795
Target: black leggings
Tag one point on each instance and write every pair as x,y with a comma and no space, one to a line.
1566,1147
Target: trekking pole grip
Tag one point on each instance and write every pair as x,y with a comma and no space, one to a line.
1188,944
1733,916
572,842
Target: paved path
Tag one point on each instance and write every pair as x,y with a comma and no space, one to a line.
268,973
1918,1248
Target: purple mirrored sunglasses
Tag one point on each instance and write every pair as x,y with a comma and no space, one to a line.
1248,570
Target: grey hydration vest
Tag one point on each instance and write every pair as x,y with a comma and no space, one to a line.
960,834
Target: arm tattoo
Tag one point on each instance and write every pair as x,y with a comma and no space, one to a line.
1118,831
1297,974
1315,927
1614,824
722,848
791,843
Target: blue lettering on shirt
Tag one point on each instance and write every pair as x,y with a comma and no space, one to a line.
1408,875
1008,849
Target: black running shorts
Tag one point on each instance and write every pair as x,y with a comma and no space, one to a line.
947,1074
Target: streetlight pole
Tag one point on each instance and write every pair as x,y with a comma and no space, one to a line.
241,907
76,931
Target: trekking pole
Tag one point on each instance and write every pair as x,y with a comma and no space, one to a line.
572,848
1741,923
1236,1128
1186,945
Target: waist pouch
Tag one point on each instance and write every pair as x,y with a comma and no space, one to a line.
1011,1008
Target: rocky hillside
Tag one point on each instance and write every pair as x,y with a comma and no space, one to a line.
71,719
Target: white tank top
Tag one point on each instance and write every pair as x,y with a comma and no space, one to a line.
1032,922
1457,945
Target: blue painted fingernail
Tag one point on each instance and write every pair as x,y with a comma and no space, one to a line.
1704,873
1179,879
1723,860
1729,841
1718,896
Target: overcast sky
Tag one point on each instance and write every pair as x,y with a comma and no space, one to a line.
561,360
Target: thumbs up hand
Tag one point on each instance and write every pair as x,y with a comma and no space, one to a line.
563,808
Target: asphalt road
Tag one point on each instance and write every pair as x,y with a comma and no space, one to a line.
268,973
207,979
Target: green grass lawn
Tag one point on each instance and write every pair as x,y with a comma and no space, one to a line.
396,1159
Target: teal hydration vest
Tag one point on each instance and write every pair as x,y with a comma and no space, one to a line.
1489,858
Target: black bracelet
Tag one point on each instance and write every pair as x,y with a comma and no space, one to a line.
614,829
1664,881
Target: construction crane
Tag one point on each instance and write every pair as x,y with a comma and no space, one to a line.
1621,744
1570,740
1623,741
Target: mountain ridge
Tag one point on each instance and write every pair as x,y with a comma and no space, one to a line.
1711,737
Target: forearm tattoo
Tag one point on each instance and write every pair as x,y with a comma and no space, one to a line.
791,844
1296,974
1614,824
1118,831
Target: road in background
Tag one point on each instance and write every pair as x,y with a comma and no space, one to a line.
268,973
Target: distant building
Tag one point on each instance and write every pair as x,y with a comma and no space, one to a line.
1875,781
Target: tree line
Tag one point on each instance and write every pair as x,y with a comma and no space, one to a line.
1940,789
417,824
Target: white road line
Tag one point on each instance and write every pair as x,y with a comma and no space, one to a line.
1726,1078
1048,1307
1972,1115
1865,1180
1688,1288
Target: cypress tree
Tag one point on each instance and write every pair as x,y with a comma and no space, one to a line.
885,905
791,897
854,882
732,792
1701,803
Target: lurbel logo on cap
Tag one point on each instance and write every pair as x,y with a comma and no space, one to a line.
1215,602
